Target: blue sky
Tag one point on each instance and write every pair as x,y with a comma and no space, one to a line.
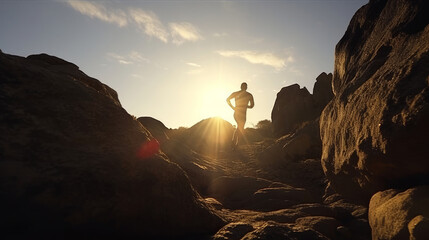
178,60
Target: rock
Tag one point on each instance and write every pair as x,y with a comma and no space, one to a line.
322,91
276,198
213,203
234,192
315,209
418,228
269,230
374,131
392,213
59,66
209,136
324,225
200,169
155,127
304,143
344,233
233,231
293,106
288,215
69,164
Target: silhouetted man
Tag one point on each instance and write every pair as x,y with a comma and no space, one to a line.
243,101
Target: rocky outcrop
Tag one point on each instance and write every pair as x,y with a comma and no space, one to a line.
396,214
322,91
155,127
72,164
295,105
209,136
374,132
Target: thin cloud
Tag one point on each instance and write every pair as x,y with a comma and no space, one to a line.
184,32
135,75
149,23
137,57
196,68
95,10
264,58
132,58
120,59
193,65
219,35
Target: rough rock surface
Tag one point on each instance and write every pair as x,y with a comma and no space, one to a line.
69,164
394,214
374,132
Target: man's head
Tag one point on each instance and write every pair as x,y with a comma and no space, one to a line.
244,86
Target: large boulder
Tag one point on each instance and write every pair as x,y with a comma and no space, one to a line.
374,132
293,106
396,214
74,163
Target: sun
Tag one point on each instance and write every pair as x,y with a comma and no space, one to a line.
214,100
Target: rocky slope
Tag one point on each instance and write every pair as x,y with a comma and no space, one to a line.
74,163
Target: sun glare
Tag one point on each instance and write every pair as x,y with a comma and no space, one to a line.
215,102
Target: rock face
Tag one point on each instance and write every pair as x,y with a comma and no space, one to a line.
400,215
295,105
374,132
69,164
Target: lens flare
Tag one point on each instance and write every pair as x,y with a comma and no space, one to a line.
148,149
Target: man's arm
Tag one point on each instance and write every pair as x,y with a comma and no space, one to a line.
252,102
228,100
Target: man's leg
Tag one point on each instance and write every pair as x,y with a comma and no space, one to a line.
240,118
240,130
235,138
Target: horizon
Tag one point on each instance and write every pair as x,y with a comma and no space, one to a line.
178,61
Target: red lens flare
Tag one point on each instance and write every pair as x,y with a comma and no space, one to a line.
148,149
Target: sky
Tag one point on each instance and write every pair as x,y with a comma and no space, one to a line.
178,60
